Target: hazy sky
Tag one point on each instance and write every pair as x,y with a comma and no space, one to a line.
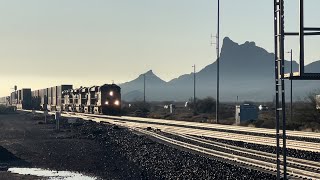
86,42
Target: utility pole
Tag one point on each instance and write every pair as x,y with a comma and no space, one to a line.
144,88
218,57
291,74
291,88
194,90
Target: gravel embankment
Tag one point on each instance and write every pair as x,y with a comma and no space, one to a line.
108,152
157,161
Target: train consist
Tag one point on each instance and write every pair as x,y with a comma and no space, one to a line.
105,99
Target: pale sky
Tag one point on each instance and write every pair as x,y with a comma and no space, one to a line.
92,42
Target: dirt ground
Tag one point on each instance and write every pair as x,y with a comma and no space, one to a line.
34,144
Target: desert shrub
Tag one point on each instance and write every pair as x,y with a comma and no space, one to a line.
139,109
206,105
305,112
312,126
271,124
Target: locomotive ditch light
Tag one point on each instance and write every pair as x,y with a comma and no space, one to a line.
111,93
117,102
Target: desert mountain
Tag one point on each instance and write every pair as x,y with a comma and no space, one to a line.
246,70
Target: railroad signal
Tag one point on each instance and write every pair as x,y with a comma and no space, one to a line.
280,76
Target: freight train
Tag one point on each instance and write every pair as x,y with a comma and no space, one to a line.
105,99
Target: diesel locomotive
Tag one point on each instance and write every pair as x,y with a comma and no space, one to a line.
105,99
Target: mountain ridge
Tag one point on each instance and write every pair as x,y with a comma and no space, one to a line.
246,70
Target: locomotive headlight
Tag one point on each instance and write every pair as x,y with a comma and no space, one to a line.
111,93
117,102
107,102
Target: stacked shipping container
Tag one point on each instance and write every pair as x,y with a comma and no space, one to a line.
55,99
44,98
4,100
49,98
24,99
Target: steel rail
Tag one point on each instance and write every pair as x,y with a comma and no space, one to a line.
293,144
312,135
294,172
315,166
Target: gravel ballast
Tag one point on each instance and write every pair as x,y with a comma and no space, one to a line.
109,152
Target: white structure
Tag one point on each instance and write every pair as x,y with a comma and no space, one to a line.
263,107
172,108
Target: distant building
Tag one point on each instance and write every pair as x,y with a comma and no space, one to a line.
246,112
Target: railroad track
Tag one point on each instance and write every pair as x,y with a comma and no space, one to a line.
296,168
184,137
171,128
185,128
229,128
262,131
244,157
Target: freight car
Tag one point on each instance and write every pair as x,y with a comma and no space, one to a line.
49,98
57,97
43,93
23,99
5,101
35,99
20,99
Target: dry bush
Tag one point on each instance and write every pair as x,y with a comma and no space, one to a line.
206,105
138,109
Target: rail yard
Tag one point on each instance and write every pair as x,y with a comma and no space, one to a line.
107,151
248,148
194,136
70,112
